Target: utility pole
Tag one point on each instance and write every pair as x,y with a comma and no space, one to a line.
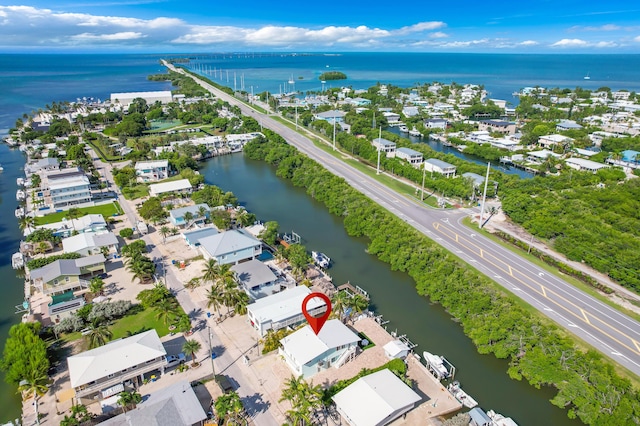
213,368
424,172
334,130
297,118
484,195
379,146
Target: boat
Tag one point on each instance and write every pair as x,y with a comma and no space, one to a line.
20,195
414,132
17,260
321,259
20,181
436,365
498,419
463,397
586,77
19,212
1,168
403,129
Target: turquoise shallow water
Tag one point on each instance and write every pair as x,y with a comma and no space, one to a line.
29,82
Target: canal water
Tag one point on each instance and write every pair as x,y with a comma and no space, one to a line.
12,161
392,293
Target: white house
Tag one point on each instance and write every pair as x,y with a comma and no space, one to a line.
164,96
308,353
88,223
476,178
330,116
102,372
231,246
152,171
182,185
66,187
386,146
541,156
199,213
410,155
255,277
282,309
375,400
193,237
89,243
436,123
396,349
410,111
585,165
174,405
439,166
391,117
549,141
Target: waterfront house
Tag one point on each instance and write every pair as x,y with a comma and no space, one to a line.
110,369
66,187
436,123
89,243
63,306
179,186
386,146
497,126
193,237
152,171
585,165
174,405
281,310
231,246
549,141
308,353
43,164
67,274
200,213
89,223
439,166
392,117
540,156
410,111
256,278
375,400
412,156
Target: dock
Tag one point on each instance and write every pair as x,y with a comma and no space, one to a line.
351,289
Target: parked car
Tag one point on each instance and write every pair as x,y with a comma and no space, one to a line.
176,359
224,383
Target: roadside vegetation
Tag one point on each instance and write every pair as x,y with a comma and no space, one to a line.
586,383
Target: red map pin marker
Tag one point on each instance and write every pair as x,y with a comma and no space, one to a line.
316,323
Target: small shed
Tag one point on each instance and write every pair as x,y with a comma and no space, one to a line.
396,349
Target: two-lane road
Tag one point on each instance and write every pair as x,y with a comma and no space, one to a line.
614,334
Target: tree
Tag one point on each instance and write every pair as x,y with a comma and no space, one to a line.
188,217
129,398
126,233
190,348
26,223
192,284
152,209
25,354
270,233
79,415
96,285
229,409
339,303
202,212
164,231
305,399
34,384
298,257
99,335
215,298
166,309
73,213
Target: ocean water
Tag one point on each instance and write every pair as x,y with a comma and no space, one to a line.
30,82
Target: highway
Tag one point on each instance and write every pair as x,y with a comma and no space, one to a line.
614,334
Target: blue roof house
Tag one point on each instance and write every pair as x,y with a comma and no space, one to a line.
630,156
177,215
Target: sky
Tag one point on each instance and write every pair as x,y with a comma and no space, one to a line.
470,26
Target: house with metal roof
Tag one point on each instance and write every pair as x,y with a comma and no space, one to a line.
439,166
257,279
105,371
88,223
498,126
479,417
375,400
181,185
282,309
585,165
549,141
174,405
308,353
475,178
231,246
386,146
200,213
65,187
67,274
152,171
89,243
330,116
567,125
193,236
412,156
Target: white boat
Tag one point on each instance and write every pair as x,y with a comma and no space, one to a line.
414,132
19,212
20,181
1,168
17,260
321,259
463,397
586,77
20,195
403,129
436,365
500,420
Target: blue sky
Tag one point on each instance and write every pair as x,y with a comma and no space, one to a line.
158,26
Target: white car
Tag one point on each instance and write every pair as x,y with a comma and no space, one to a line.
176,359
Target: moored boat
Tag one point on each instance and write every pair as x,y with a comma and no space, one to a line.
19,212
20,195
20,181
321,259
403,129
436,365
414,132
463,397
17,260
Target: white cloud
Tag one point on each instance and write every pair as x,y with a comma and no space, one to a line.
457,44
126,35
438,34
419,27
570,42
637,39
528,43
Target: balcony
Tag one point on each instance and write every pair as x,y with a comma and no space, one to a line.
47,288
120,377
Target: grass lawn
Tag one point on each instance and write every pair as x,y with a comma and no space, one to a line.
133,192
106,210
136,323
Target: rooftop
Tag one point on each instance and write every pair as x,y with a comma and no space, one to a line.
174,185
145,165
227,242
304,345
283,305
439,163
254,273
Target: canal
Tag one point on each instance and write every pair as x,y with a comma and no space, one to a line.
392,293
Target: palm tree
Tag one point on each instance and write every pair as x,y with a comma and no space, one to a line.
96,285
190,348
72,214
36,386
305,399
26,223
188,217
358,303
98,336
214,298
192,283
240,301
164,231
339,303
210,271
202,212
166,309
229,408
127,398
